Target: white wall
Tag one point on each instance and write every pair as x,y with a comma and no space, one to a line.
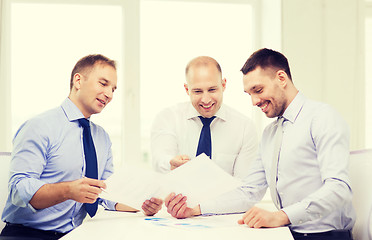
323,41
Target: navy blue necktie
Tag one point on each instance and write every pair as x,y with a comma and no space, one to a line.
205,142
91,170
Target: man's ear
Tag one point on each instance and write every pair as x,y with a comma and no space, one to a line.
282,77
77,80
223,81
186,88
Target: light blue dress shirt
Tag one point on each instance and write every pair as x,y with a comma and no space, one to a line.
49,149
313,183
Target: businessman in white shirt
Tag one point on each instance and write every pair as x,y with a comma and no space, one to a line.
175,135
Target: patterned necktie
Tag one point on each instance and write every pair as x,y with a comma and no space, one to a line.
278,137
91,170
205,143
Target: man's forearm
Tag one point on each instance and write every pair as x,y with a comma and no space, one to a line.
50,194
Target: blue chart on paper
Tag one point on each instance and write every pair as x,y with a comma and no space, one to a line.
179,223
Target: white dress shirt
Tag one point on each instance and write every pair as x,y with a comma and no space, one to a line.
176,131
313,183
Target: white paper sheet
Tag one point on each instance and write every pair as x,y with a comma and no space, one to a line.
199,179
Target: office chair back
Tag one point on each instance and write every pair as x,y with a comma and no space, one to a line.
4,177
361,181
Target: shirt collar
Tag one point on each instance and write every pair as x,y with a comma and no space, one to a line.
192,113
71,110
294,108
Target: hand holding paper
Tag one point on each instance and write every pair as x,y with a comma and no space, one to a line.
199,179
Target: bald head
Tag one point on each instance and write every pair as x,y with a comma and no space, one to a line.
202,61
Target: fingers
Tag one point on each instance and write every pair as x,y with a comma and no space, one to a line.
247,218
178,161
185,157
91,194
182,211
86,190
179,204
176,206
168,199
156,201
95,182
174,203
255,218
152,206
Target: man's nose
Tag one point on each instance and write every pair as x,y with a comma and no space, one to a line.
255,100
206,98
109,93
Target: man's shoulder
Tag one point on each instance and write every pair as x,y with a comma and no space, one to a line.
316,109
49,117
177,110
43,124
233,114
99,129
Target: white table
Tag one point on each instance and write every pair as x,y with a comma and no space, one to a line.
120,225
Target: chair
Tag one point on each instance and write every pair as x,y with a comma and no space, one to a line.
4,177
361,180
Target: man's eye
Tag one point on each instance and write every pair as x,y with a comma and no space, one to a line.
212,90
103,84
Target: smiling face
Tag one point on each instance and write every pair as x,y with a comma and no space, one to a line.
267,90
205,88
94,89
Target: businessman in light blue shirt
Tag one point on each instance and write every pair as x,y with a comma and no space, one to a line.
311,185
47,186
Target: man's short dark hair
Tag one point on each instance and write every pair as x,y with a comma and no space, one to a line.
267,58
87,63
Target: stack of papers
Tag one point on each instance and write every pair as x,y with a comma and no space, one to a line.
199,179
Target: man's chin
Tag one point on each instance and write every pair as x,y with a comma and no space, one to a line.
207,115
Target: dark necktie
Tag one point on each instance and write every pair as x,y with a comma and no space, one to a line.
205,142
91,170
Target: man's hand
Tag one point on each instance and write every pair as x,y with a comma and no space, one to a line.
86,190
152,206
257,218
178,161
177,206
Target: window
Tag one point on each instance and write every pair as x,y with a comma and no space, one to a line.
46,42
174,32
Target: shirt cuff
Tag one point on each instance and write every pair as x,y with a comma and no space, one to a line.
107,204
296,214
25,190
